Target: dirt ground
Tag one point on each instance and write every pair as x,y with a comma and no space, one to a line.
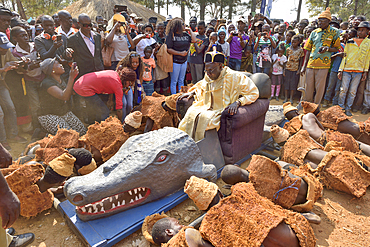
345,220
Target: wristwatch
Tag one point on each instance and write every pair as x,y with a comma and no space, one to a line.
238,101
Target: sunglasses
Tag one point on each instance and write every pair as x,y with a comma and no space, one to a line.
87,25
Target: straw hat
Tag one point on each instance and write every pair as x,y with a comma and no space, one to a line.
287,107
134,119
148,224
309,107
63,164
279,134
88,168
326,14
200,191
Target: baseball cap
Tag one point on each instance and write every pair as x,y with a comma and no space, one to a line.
133,15
4,41
242,19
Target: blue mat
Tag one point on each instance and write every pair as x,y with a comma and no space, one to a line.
109,231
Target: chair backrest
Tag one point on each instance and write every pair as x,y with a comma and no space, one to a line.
263,83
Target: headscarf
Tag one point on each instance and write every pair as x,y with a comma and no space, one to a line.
227,30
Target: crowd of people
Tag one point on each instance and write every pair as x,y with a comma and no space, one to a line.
52,67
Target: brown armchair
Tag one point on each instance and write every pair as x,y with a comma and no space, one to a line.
241,133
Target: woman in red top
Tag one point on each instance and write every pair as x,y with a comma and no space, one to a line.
104,82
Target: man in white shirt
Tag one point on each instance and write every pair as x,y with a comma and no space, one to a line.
65,27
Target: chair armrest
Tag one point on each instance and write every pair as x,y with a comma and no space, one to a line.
246,114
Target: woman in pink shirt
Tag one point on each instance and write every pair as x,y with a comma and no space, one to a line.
104,82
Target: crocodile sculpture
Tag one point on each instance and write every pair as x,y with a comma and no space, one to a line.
147,167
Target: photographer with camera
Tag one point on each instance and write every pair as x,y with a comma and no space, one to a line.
120,40
33,74
263,46
237,40
145,39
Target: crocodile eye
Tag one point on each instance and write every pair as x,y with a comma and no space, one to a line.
162,158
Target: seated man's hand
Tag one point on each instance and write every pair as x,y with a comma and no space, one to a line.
186,95
233,108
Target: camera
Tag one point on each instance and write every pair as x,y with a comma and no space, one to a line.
120,8
234,33
23,64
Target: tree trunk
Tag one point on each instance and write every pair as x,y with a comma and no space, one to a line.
231,5
159,6
221,9
202,11
299,10
253,9
183,10
327,3
167,5
12,4
21,10
356,5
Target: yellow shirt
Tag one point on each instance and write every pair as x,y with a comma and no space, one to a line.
212,97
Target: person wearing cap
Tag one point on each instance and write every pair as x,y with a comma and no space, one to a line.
5,19
222,88
55,95
193,23
264,45
238,41
320,45
354,66
7,109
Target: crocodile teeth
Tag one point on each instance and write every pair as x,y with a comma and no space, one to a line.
130,192
140,196
90,211
110,199
123,202
94,206
118,204
116,197
135,190
132,200
136,198
138,189
101,204
102,210
83,209
113,205
96,210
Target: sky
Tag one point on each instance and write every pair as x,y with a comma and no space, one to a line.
281,9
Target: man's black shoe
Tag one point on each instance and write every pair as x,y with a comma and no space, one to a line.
348,113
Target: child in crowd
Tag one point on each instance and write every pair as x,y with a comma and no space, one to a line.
247,60
224,45
288,40
149,66
278,66
264,44
294,54
134,95
213,42
196,53
209,30
334,82
354,66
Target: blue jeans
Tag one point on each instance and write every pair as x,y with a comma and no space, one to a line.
350,82
334,84
7,112
178,76
235,63
262,70
97,110
128,103
148,87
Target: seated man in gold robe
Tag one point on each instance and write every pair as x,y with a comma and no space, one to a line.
221,88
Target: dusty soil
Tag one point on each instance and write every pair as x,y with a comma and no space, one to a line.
345,220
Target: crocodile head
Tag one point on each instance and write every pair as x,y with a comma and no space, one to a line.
147,167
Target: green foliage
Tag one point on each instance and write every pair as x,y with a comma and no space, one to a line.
34,8
342,8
